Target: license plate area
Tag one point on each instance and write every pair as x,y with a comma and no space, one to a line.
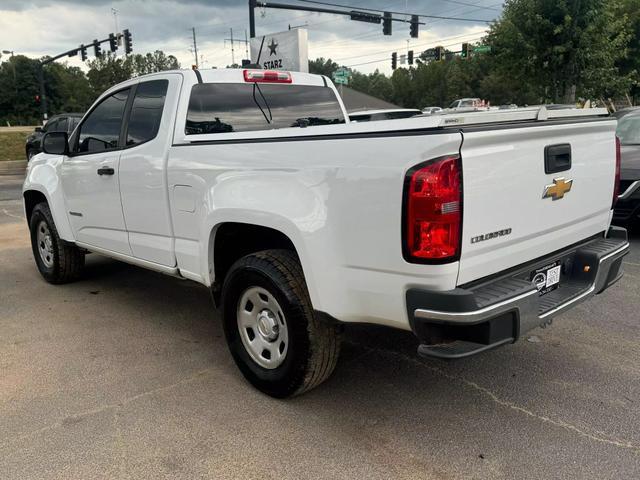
547,277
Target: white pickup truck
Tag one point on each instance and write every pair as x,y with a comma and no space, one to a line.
467,229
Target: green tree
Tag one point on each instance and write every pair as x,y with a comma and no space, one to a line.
66,90
630,66
563,48
322,66
109,70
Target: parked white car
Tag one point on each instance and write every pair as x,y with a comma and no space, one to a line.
431,110
255,184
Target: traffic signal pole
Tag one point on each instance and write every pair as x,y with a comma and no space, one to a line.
356,15
69,53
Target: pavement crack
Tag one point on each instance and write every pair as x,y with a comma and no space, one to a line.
9,214
76,417
600,437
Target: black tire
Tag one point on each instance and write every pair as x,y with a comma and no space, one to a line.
67,260
313,344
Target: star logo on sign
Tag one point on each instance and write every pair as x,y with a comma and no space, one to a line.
272,47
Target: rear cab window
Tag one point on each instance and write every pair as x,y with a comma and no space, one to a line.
243,107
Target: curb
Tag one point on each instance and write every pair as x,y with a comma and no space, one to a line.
13,167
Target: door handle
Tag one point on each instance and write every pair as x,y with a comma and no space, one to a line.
557,158
106,171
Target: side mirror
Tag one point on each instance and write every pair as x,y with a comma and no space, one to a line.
37,129
55,143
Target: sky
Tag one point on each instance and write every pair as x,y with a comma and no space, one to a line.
43,27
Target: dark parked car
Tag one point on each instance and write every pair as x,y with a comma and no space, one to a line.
65,122
627,209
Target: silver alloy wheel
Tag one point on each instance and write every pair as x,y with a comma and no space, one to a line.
262,327
45,244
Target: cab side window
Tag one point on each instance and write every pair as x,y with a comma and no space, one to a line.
61,126
146,111
101,129
50,126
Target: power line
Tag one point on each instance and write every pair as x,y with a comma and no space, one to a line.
475,35
397,13
386,59
481,7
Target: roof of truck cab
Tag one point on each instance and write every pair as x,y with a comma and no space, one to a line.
234,75
220,75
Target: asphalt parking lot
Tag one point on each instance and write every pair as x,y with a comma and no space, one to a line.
125,374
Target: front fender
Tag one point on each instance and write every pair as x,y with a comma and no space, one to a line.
43,176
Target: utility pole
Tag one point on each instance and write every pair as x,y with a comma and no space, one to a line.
235,40
195,45
246,45
43,97
82,49
115,20
115,17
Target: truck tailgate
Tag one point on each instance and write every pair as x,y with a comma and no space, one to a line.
506,219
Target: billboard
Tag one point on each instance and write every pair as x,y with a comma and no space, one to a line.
281,51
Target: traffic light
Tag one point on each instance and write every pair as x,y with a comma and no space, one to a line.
440,53
466,50
83,52
413,28
410,57
386,23
37,99
97,50
113,43
127,41
394,60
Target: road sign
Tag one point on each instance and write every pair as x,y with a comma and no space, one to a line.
429,54
341,76
482,49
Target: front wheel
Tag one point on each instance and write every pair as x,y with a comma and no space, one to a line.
274,336
57,261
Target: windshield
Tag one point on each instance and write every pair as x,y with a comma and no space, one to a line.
629,130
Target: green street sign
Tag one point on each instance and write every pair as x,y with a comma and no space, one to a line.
341,76
482,49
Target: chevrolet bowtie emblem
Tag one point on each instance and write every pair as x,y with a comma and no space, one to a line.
557,190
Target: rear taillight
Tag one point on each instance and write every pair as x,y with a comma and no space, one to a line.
616,181
267,76
433,211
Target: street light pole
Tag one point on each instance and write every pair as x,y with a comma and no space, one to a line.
13,67
43,97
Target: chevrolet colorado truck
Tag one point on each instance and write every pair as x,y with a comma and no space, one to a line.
468,229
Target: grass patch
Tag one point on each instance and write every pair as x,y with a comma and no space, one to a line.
12,145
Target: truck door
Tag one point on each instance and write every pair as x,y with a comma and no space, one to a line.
143,179
90,180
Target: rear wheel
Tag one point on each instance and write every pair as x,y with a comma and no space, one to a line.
57,261
274,336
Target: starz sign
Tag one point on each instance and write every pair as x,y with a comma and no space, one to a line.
282,51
